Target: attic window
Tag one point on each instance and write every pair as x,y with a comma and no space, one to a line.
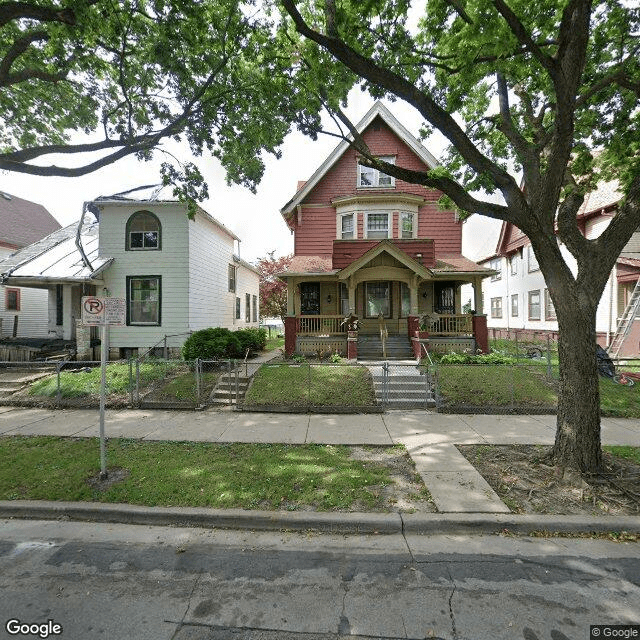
369,177
143,232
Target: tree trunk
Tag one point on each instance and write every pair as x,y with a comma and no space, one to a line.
577,443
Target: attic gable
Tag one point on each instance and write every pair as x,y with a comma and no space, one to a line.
377,114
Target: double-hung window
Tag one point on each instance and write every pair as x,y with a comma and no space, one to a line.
144,300
377,225
496,307
514,305
406,225
534,305
496,265
347,226
12,299
370,177
533,261
232,277
247,307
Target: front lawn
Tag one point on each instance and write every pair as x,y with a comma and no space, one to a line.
305,384
493,386
248,476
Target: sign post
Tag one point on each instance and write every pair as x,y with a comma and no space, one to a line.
103,312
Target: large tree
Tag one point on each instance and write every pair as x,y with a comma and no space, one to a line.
524,92
115,78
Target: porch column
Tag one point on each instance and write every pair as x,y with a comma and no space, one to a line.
413,295
477,295
352,296
290,334
291,292
481,333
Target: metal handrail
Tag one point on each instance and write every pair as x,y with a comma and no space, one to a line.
384,334
164,342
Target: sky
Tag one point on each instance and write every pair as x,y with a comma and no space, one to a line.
255,218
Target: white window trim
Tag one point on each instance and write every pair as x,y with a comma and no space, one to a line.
498,268
376,185
513,262
496,309
339,225
515,296
531,257
529,316
389,214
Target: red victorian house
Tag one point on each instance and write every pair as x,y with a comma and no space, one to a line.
380,249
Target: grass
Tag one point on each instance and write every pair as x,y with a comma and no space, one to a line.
249,476
323,385
274,343
628,452
618,400
478,385
84,382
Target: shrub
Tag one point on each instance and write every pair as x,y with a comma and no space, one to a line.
253,339
470,358
210,344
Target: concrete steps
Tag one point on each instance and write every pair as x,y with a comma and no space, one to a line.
225,391
407,386
398,348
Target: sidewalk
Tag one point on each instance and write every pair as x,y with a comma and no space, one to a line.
455,485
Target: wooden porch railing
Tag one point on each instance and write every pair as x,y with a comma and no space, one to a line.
321,325
451,325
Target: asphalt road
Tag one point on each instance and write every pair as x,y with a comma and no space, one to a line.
126,581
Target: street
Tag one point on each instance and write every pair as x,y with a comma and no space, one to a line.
139,582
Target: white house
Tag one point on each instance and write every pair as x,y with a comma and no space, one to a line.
516,298
176,275
23,312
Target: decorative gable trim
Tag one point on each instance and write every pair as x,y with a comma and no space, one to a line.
400,130
392,250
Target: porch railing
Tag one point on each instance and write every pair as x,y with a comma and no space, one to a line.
322,325
452,325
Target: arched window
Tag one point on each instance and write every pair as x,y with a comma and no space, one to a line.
143,232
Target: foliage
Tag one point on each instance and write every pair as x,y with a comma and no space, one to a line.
247,476
215,343
481,358
122,77
542,95
253,340
211,344
273,290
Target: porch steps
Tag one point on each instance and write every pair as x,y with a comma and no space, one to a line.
398,348
407,386
225,390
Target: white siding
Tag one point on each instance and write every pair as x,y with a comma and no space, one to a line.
33,314
211,304
248,283
170,262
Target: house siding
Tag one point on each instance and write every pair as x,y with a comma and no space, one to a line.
318,215
171,263
211,304
32,316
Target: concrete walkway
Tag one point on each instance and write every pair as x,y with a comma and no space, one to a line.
455,485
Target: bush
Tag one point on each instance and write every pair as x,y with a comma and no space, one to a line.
253,339
211,344
470,358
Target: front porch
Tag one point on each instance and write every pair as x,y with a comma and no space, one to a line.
335,333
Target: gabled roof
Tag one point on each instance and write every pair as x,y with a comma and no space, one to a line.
392,250
56,258
22,221
378,110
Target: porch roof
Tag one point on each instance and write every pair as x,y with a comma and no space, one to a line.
457,264
309,265
56,258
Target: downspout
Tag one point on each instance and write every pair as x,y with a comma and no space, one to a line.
87,264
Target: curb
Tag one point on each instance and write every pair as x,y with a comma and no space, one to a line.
331,523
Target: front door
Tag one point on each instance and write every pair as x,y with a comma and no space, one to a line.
445,299
310,299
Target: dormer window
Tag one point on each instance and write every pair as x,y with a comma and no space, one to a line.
370,177
143,232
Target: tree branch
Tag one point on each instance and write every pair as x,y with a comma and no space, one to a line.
423,102
17,49
28,10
